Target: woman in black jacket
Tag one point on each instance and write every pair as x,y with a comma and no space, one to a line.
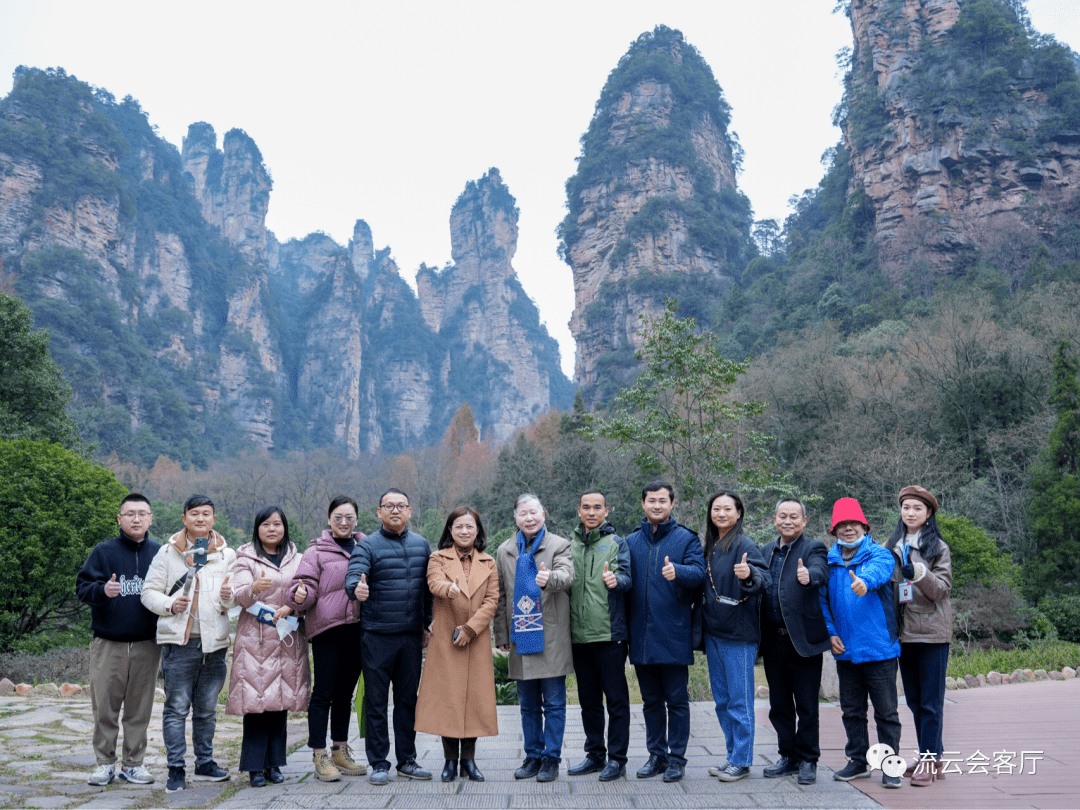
735,576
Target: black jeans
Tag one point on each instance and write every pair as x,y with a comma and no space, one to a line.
666,705
336,655
601,675
265,743
876,679
922,670
391,659
794,683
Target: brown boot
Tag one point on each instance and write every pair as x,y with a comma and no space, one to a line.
324,768
342,758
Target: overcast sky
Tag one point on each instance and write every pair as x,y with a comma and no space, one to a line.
382,111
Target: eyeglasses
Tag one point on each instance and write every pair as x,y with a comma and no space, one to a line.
394,507
129,515
343,518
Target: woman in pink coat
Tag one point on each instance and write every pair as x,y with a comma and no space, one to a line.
270,676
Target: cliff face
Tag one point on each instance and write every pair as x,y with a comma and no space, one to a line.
653,209
954,125
189,330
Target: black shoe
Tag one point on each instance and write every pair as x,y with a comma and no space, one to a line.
469,769
411,770
587,765
853,770
258,779
176,780
210,772
673,773
529,768
449,770
612,771
654,766
549,770
890,781
273,776
807,773
785,766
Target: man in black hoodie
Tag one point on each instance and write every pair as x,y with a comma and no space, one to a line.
124,655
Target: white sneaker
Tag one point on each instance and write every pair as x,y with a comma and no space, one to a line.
103,775
137,775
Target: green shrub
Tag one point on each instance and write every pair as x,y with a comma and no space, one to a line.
1047,655
1063,611
505,686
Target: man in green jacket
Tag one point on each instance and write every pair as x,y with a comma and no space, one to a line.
598,637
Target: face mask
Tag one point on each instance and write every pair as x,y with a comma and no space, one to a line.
853,544
286,627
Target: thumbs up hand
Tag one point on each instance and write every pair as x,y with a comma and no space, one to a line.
112,588
361,590
668,570
300,594
802,573
542,576
609,578
263,583
226,589
453,590
742,570
857,584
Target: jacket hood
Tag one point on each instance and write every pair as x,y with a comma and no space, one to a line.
860,556
248,550
588,538
182,544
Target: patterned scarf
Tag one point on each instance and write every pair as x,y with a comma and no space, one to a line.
527,628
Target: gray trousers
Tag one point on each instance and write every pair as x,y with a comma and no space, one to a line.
122,674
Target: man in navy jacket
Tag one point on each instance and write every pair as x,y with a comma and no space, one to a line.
668,570
793,638
124,655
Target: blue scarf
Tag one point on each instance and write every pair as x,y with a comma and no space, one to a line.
527,627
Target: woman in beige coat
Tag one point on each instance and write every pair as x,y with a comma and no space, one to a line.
457,692
536,570
270,675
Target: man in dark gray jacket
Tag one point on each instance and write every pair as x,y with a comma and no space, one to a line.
793,637
388,573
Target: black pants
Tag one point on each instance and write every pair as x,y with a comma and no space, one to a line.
922,671
265,741
666,706
391,659
794,683
336,655
601,675
876,679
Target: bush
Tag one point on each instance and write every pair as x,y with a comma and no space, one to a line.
59,665
1063,611
1048,655
975,555
990,613
505,686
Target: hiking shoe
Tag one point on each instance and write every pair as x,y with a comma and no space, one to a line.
137,775
853,770
103,775
549,770
176,780
325,769
379,776
341,756
412,770
733,773
210,772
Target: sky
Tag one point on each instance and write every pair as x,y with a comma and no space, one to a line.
383,111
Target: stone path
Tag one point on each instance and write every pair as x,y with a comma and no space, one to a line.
45,758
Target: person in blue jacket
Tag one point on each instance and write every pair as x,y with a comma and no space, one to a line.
857,603
669,569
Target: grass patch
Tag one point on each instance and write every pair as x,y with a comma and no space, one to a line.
1048,655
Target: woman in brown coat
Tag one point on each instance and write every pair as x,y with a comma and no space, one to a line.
457,692
270,675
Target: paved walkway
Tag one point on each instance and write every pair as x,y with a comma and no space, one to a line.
45,757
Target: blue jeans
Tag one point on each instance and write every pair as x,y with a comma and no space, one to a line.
876,679
193,682
543,716
922,671
731,676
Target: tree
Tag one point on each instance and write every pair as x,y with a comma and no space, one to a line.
54,507
1055,507
679,419
33,393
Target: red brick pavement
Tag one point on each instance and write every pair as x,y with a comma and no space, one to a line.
1036,717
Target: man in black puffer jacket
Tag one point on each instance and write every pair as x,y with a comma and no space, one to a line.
388,573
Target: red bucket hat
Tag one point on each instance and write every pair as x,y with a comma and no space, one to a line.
847,509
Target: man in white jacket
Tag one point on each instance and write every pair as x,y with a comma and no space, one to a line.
187,586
